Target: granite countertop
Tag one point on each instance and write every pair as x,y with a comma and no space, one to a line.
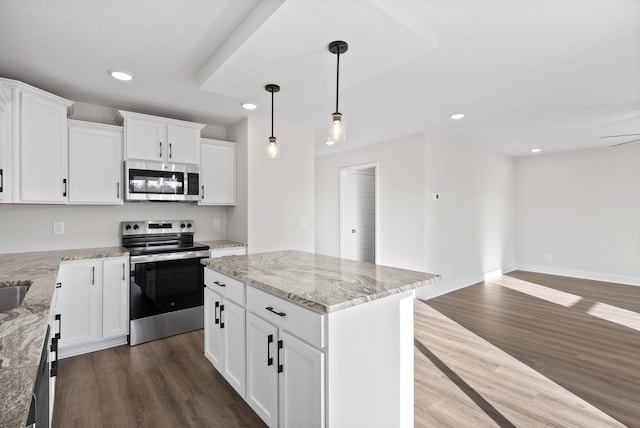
23,329
321,283
222,243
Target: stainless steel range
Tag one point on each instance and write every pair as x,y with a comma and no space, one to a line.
167,279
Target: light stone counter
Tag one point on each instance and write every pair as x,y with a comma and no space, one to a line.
321,283
23,329
222,243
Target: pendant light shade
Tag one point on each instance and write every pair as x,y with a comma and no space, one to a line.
273,150
337,126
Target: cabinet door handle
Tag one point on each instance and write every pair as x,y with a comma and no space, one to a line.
280,314
280,366
54,364
220,284
118,190
221,311
215,313
1,179
58,317
93,275
170,155
58,285
64,183
160,148
203,191
123,269
269,357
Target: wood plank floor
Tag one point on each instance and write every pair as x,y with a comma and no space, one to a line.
524,349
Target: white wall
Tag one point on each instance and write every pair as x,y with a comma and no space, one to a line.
238,214
280,192
470,228
468,231
583,209
30,227
400,200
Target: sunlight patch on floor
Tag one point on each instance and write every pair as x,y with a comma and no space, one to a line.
540,291
616,315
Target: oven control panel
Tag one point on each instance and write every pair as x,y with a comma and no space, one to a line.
147,227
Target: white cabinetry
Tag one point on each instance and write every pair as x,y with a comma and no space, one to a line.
40,145
4,142
93,304
160,139
224,319
285,383
217,172
95,163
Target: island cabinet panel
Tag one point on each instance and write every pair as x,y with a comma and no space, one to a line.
225,337
262,369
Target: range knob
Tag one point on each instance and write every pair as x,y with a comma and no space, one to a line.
182,226
128,227
136,227
188,225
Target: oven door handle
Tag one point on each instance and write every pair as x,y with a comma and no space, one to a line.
169,256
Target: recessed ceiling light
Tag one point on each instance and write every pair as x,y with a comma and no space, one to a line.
249,106
457,116
535,150
121,75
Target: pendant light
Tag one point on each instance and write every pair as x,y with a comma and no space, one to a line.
273,150
337,126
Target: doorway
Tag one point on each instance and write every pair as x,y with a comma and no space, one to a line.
358,212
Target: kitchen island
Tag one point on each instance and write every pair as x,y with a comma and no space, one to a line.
329,342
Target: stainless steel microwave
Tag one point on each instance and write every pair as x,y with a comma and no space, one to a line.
155,181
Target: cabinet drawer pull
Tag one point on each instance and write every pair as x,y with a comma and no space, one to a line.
58,285
220,284
269,357
54,364
221,311
280,366
280,314
215,313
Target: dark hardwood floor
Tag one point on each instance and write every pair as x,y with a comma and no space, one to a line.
524,349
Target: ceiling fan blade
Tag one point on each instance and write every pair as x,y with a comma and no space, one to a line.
626,142
622,135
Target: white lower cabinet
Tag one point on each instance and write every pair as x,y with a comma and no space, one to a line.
262,366
225,338
93,303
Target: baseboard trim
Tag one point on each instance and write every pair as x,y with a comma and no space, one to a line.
596,276
444,287
85,348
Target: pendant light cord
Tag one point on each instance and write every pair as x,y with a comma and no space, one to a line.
337,80
271,114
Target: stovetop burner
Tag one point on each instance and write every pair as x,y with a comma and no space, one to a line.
159,237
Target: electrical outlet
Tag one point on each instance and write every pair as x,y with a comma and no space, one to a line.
58,227
549,257
216,223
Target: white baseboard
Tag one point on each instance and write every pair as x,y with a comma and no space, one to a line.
596,276
72,351
444,287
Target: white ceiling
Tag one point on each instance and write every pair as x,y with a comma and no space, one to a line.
553,74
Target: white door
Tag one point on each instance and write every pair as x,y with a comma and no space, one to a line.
145,140
218,173
43,150
212,331
359,216
262,376
95,165
183,144
115,297
79,302
301,384
233,334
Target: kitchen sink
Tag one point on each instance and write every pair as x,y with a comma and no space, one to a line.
12,297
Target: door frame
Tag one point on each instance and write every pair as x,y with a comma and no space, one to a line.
344,171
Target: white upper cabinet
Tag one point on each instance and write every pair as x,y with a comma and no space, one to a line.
217,172
4,142
40,145
95,163
159,139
